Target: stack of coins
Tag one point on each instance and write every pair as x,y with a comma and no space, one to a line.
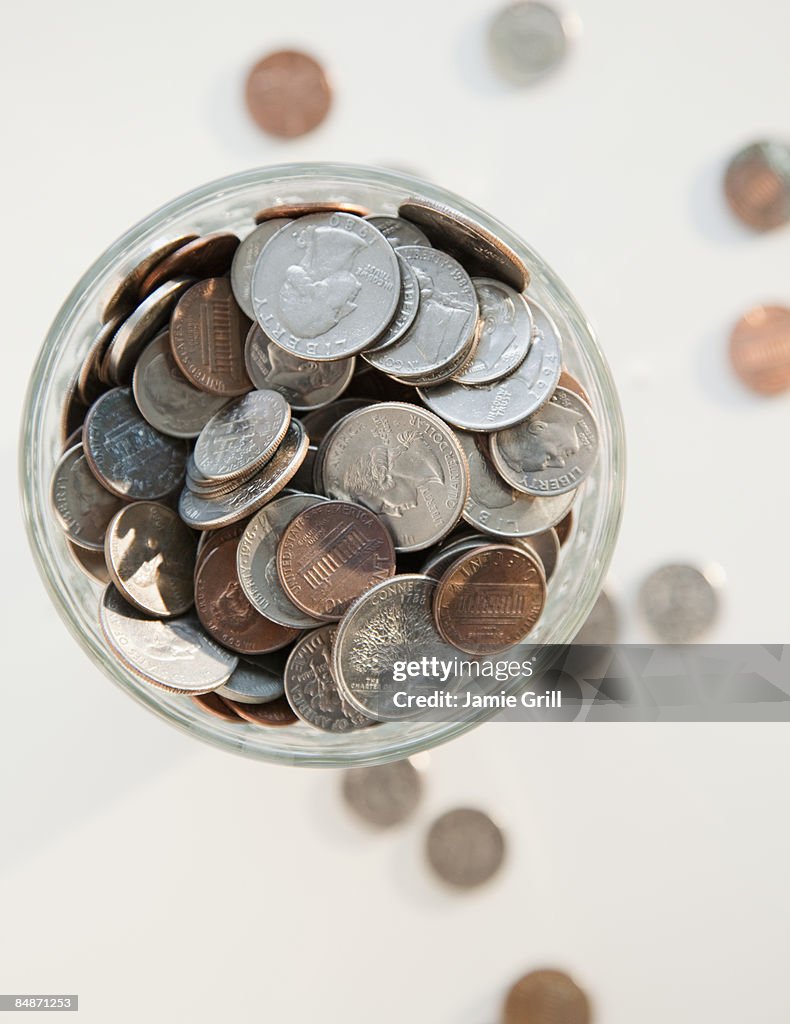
343,442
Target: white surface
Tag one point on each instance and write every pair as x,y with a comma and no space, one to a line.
160,879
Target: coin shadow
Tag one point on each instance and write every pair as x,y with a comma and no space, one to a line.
708,207
714,375
474,65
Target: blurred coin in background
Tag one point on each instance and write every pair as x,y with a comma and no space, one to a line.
680,602
546,997
760,349
465,847
527,40
383,795
757,185
288,94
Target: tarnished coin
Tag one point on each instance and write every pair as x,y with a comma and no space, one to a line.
90,562
465,848
165,397
760,349
328,287
526,40
291,210
489,407
225,612
330,553
490,598
383,795
553,451
128,456
89,380
318,423
214,705
311,689
207,256
253,683
242,436
82,505
305,383
172,654
757,185
140,327
390,624
245,258
405,314
546,997
405,465
399,232
151,557
257,561
504,333
571,384
480,251
546,546
203,513
679,603
207,332
288,93
273,714
127,292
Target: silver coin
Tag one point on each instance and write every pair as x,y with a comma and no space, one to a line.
83,507
327,286
305,383
140,327
679,603
383,795
465,848
172,654
245,258
130,457
546,546
405,314
242,436
442,559
256,561
504,333
206,513
165,397
253,682
443,373
553,451
446,318
399,232
389,624
311,689
402,463
527,39
511,399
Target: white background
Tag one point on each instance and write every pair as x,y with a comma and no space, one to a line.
164,881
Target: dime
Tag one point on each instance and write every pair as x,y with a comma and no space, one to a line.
245,258
207,256
406,313
252,683
330,553
257,561
526,40
391,623
166,398
757,185
273,713
465,848
151,557
760,349
480,251
504,333
564,526
383,795
489,407
225,612
127,292
82,505
291,210
317,423
679,603
546,546
288,94
490,598
172,654
571,384
312,691
216,706
207,332
90,562
399,232
305,383
89,382
242,436
553,451
127,455
139,328
546,997
328,287
405,465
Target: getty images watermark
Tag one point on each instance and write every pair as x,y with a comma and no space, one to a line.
456,670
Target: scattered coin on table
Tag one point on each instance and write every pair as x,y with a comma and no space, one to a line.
288,93
679,603
757,185
760,349
526,40
546,997
465,848
383,795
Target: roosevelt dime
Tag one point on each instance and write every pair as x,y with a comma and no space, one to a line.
82,505
527,39
245,258
504,333
306,383
399,232
311,689
242,436
465,847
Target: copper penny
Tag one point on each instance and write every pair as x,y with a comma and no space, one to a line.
331,553
490,598
90,384
127,292
207,332
209,256
217,707
564,527
546,997
225,612
274,713
757,185
760,349
571,384
293,210
288,94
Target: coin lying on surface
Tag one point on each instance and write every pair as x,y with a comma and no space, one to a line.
465,848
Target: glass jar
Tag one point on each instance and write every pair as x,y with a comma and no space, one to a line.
231,203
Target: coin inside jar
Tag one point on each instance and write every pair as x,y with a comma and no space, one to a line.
242,436
245,258
504,333
207,256
82,505
311,688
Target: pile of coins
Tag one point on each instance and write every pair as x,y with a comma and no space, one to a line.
345,441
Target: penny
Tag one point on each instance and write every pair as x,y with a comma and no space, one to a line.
288,94
480,251
72,440
253,684
465,848
490,598
679,603
527,40
564,526
139,328
151,557
207,332
757,185
330,553
274,713
553,451
760,349
89,382
328,287
245,258
406,312
402,463
215,706
225,612
317,423
128,456
127,292
383,795
571,384
211,539
546,997
311,689
294,209
207,256
305,383
504,333
90,562
172,654
83,507
400,232
546,546
242,436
